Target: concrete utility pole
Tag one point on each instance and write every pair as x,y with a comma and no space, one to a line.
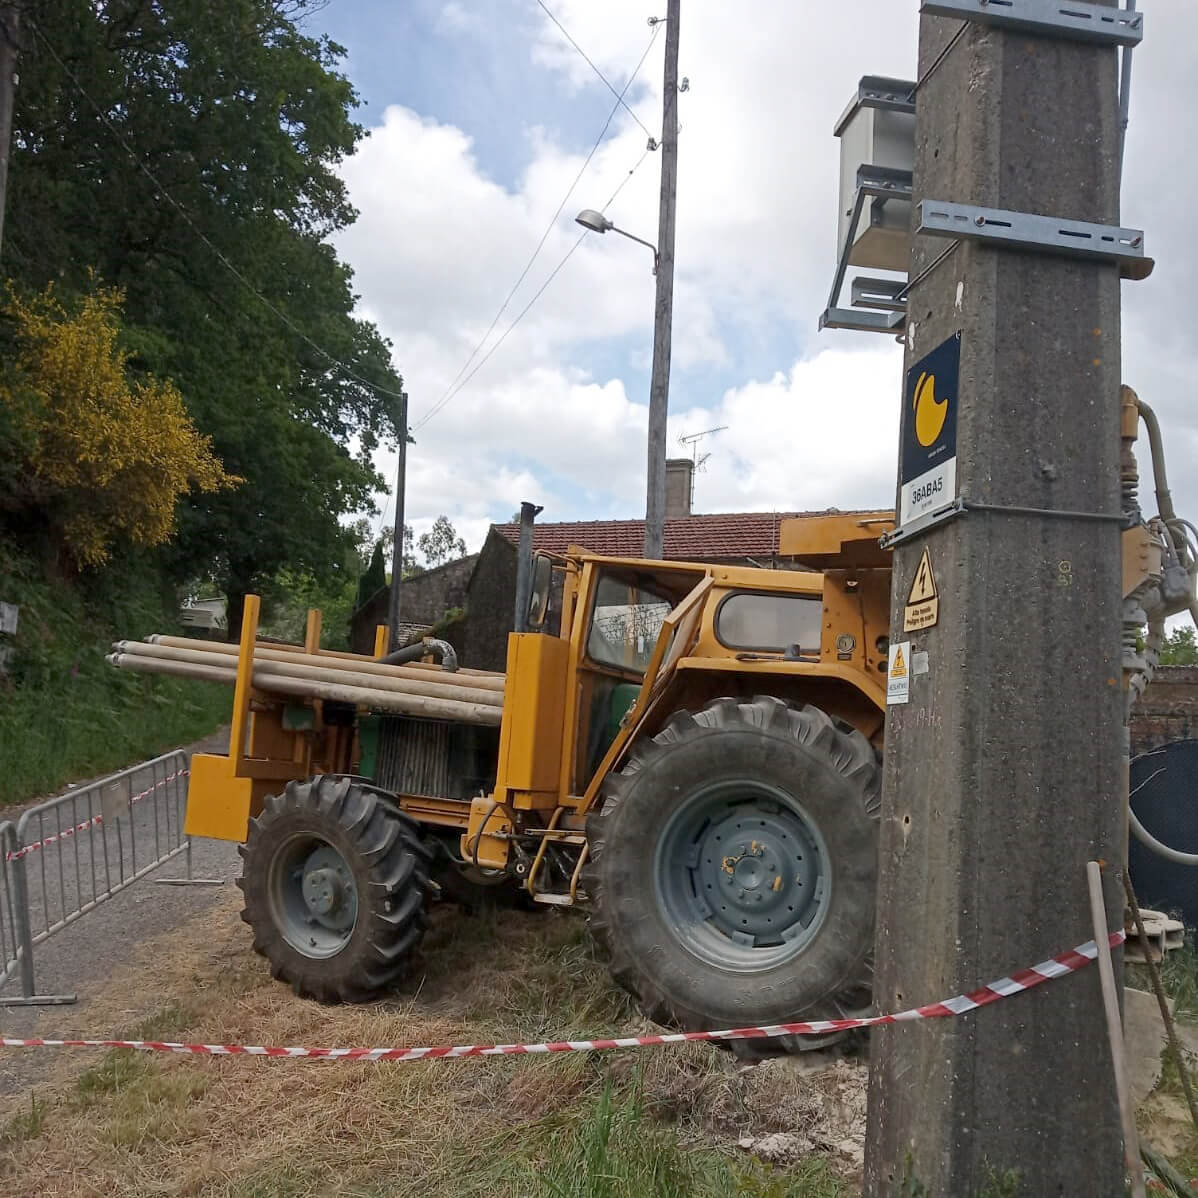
401,482
1003,767
663,315
9,30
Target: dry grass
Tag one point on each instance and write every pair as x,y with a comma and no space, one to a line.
662,1121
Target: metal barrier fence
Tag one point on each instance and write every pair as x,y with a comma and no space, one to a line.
10,957
66,856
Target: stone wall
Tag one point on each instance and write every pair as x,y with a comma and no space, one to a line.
423,601
1168,710
490,606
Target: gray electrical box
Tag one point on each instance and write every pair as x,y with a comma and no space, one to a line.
877,130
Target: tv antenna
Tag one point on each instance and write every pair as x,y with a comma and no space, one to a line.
692,440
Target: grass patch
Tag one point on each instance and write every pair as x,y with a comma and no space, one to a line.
616,1150
662,1122
65,713
25,1124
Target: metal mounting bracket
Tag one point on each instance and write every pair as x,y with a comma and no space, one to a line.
961,505
921,524
886,294
1026,231
882,183
1077,20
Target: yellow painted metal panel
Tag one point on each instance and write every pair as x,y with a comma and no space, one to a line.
218,802
858,679
530,742
380,640
245,671
838,541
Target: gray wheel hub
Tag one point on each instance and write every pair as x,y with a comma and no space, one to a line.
313,897
742,875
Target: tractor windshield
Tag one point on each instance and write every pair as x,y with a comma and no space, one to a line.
626,621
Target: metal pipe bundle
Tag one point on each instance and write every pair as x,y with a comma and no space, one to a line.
327,657
474,699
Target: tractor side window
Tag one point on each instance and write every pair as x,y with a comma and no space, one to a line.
753,620
625,624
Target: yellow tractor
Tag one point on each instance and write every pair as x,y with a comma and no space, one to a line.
689,750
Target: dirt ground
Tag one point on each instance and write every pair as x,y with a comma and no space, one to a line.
140,1125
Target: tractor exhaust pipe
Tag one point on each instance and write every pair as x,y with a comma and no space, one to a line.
528,515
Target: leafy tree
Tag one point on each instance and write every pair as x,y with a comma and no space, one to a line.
98,457
233,290
1180,648
441,543
375,576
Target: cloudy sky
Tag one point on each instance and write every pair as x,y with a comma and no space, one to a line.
481,116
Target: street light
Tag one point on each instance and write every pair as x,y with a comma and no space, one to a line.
596,222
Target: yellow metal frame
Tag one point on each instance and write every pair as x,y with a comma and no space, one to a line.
220,795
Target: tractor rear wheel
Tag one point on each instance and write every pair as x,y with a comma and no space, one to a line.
733,867
335,883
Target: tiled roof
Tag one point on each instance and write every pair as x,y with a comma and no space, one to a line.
719,536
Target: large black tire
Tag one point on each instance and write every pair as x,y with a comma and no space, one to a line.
816,783
367,851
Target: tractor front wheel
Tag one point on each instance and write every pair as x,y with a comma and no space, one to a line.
733,866
335,883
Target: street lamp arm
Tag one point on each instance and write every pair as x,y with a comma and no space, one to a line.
641,241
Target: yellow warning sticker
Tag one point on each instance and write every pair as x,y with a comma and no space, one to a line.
898,675
922,609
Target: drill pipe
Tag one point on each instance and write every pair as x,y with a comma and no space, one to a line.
479,679
389,680
306,688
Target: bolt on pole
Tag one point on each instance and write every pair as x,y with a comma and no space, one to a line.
1002,770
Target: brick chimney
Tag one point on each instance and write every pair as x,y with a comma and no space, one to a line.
679,479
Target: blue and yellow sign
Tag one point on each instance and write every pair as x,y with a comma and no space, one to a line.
928,471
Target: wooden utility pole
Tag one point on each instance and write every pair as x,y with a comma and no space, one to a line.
663,315
401,482
9,31
1002,773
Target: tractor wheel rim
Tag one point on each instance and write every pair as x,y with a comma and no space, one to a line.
742,875
313,896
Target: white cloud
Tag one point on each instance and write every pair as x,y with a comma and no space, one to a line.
456,18
552,416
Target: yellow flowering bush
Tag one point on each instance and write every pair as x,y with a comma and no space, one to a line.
106,455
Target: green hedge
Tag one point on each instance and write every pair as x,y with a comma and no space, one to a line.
66,714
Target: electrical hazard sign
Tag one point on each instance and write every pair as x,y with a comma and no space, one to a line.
898,673
922,609
928,467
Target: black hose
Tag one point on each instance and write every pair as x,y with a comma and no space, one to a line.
430,645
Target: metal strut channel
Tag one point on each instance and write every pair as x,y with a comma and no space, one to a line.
882,183
1026,231
1077,21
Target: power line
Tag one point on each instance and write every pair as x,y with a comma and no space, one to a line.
437,407
619,95
545,235
336,363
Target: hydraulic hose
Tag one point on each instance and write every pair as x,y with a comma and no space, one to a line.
442,649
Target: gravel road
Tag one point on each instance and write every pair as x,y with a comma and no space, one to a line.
81,957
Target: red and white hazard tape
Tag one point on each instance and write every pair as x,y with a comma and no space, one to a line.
1025,979
66,833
